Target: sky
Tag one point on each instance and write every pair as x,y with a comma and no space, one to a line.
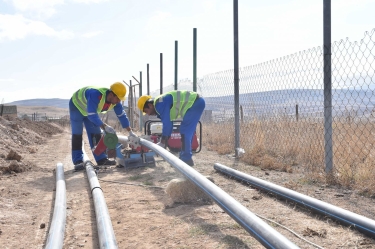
51,48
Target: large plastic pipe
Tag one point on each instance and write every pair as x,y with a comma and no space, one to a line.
123,139
57,229
363,224
260,230
106,234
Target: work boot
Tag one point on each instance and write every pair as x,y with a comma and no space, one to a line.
106,161
190,162
79,166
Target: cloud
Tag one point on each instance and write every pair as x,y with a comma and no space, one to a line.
39,8
15,27
6,80
158,19
89,1
92,34
43,9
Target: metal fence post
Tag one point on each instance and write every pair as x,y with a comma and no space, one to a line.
297,112
236,78
148,79
195,59
175,63
140,94
327,86
131,104
161,73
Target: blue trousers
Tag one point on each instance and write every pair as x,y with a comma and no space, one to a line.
77,120
188,126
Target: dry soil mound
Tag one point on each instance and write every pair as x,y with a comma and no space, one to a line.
19,137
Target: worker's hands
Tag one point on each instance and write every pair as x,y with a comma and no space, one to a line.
132,134
161,144
109,129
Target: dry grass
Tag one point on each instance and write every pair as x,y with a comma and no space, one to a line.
42,111
287,145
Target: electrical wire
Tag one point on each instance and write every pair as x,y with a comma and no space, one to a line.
290,230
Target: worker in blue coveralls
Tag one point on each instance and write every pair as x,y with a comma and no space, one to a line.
84,107
187,105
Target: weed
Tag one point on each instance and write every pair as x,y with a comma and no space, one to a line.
282,144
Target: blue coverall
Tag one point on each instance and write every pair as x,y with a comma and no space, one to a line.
92,123
187,126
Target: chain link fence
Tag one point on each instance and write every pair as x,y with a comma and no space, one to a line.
282,112
41,117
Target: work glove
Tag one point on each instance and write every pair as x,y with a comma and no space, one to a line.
161,144
132,134
109,129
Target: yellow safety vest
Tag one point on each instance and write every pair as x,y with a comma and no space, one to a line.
182,101
80,101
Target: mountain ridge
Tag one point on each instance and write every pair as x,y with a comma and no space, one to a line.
285,100
54,102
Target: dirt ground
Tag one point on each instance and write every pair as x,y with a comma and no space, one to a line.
143,215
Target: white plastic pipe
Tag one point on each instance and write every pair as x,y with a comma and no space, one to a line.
363,224
107,239
260,230
57,228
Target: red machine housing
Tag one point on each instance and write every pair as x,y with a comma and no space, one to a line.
155,138
174,142
139,149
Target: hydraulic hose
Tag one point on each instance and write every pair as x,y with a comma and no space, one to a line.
260,230
363,224
57,229
106,234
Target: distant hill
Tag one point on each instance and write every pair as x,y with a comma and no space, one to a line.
361,101
310,101
60,103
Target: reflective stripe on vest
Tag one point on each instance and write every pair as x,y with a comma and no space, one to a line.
182,101
80,101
